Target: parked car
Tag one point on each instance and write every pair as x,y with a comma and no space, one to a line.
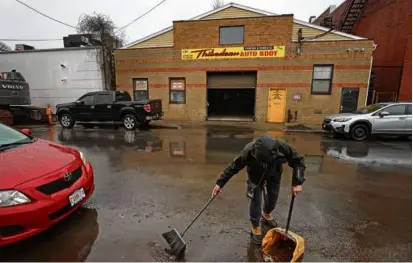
392,118
41,183
109,106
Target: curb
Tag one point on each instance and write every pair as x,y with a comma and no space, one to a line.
304,131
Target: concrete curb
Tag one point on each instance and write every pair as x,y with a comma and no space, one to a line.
304,131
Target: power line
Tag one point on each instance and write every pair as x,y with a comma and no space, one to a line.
27,40
139,17
37,11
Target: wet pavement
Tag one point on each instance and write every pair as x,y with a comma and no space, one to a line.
356,204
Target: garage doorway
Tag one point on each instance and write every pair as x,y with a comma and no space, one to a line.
231,95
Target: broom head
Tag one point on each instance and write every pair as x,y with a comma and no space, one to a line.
175,241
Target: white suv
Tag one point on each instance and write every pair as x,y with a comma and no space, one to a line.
392,118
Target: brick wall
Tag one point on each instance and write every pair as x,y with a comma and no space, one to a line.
293,73
270,30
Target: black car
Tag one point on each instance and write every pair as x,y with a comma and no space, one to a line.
109,106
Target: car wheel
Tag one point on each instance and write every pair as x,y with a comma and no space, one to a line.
359,132
66,120
129,122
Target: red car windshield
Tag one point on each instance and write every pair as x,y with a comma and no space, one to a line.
9,137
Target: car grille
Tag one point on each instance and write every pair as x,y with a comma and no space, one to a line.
61,183
8,231
64,210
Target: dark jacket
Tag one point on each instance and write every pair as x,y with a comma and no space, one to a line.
265,153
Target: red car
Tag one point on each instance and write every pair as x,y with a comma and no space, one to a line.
41,183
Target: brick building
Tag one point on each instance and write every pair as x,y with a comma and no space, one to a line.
389,24
237,62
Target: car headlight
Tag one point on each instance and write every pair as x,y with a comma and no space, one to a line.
341,119
12,197
82,156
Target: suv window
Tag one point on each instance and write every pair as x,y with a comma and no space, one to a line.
103,99
409,109
396,110
88,100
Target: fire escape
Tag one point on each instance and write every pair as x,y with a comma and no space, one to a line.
351,15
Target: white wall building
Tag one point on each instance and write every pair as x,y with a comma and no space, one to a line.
57,75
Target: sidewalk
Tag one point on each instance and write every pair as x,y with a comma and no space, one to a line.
239,124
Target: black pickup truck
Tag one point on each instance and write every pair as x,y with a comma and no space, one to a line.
109,106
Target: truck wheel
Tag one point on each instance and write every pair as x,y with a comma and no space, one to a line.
129,122
360,132
66,120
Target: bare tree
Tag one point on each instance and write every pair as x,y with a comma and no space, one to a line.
217,4
102,27
4,47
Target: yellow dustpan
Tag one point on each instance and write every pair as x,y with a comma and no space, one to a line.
281,245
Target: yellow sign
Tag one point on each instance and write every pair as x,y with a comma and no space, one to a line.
233,52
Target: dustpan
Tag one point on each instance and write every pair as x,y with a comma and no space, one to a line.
281,244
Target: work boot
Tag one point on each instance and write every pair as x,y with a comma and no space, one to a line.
256,235
268,220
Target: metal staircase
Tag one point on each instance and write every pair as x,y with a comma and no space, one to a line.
351,15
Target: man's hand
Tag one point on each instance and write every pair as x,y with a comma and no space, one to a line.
297,190
216,190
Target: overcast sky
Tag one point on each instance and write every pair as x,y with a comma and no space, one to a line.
19,22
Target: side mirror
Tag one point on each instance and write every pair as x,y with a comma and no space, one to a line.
384,113
79,102
27,132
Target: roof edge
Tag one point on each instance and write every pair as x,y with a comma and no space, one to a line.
325,29
255,10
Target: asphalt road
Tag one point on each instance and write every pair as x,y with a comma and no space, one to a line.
356,204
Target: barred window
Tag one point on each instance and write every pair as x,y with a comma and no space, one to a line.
140,89
177,90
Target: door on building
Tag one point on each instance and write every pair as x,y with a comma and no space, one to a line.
349,100
276,105
231,95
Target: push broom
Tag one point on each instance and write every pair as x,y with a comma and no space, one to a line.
176,240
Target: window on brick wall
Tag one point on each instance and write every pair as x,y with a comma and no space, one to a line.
140,89
177,90
322,79
231,35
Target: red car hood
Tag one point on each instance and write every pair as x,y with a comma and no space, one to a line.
30,161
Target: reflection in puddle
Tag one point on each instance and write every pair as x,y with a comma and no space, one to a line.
370,153
146,142
177,149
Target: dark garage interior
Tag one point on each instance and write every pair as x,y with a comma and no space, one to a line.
231,94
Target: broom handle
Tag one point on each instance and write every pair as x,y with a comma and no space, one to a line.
203,209
290,213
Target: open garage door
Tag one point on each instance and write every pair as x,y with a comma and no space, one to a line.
231,95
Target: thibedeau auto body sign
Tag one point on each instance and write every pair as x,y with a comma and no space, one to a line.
233,52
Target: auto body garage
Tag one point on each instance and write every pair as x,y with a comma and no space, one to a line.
231,95
241,63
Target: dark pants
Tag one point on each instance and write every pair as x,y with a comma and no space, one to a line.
272,186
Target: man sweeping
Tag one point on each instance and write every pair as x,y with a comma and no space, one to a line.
264,158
